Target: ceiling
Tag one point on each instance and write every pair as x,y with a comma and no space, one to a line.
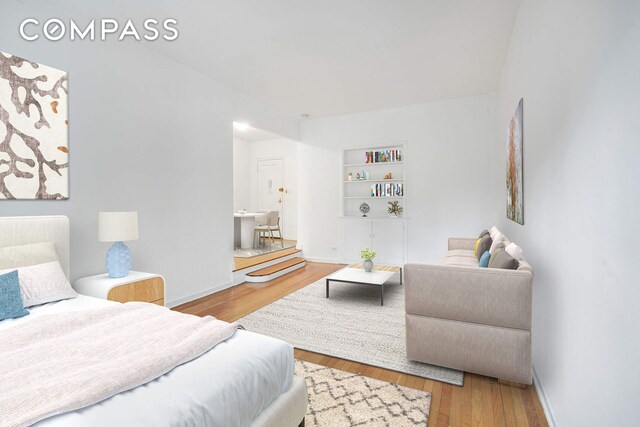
324,58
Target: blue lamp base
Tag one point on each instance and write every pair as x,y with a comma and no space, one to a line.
118,260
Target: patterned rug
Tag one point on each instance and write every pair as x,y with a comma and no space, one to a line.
350,324
339,398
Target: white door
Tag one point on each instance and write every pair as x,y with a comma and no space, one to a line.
271,186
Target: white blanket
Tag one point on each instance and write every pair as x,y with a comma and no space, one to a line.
62,362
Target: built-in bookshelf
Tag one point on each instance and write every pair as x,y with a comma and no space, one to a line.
376,176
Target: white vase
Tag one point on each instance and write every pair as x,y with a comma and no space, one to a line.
368,265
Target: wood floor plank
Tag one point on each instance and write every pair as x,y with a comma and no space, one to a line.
436,397
481,401
496,405
518,404
466,419
508,409
455,413
487,405
377,373
476,400
403,379
445,400
530,408
418,383
443,420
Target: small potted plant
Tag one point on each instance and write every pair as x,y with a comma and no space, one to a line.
367,255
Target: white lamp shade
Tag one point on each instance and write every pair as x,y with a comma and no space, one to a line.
117,226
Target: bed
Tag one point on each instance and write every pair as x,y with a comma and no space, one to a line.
246,380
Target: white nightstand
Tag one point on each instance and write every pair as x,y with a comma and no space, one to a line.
137,286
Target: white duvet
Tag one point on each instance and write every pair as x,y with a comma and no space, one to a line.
227,386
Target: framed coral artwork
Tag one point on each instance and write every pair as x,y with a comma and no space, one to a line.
34,150
515,202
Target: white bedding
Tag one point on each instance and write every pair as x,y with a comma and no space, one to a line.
227,386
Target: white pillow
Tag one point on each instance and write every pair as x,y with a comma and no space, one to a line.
498,240
514,250
493,231
25,255
43,283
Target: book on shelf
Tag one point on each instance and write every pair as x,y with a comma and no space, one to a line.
387,190
383,156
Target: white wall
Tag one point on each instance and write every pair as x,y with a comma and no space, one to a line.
241,173
576,63
247,154
447,164
146,134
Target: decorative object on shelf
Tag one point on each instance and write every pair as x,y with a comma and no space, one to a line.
34,117
118,227
367,175
388,176
357,175
514,167
350,176
367,255
395,208
364,208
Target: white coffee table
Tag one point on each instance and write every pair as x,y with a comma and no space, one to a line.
356,274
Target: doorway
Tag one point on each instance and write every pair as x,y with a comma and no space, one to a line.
265,179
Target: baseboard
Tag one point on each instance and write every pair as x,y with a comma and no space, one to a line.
197,295
544,401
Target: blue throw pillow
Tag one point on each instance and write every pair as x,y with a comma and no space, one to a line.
484,260
11,305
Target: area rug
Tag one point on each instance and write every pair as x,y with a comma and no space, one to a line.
266,249
350,325
339,398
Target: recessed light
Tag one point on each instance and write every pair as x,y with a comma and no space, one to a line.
241,126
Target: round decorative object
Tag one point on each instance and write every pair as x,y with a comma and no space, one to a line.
368,265
364,208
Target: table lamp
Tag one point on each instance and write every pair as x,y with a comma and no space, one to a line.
118,227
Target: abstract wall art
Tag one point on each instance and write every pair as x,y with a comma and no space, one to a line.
34,153
515,202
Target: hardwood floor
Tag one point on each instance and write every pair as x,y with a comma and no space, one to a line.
240,263
481,402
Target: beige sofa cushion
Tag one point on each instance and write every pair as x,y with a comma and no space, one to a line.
461,257
459,261
459,252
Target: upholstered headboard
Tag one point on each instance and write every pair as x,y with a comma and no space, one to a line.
22,230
